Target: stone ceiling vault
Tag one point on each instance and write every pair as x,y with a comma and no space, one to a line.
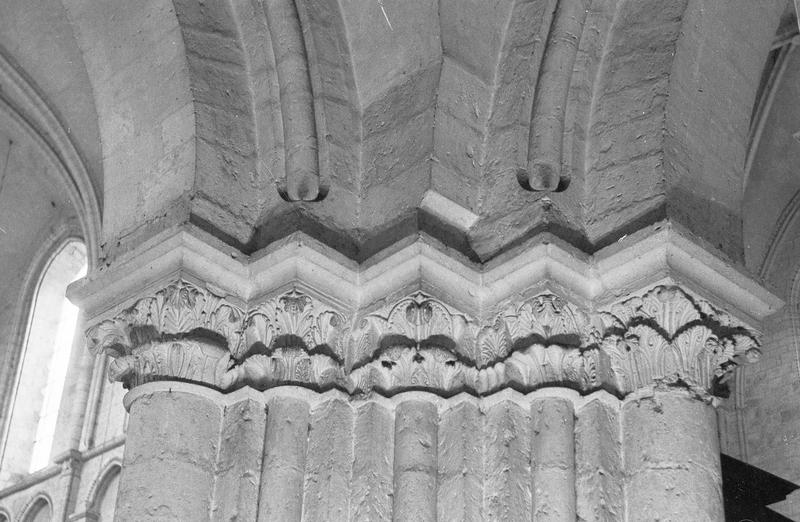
407,198
577,117
365,122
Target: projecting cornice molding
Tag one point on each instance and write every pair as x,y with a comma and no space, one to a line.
648,312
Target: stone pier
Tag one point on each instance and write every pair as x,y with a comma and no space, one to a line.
515,457
421,388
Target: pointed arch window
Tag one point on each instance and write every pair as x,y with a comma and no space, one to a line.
31,429
39,511
104,499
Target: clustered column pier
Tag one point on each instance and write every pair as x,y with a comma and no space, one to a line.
672,461
569,463
170,456
553,460
291,405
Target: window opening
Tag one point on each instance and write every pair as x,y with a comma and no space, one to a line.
43,366
56,377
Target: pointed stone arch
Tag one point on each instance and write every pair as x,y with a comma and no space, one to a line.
38,509
108,478
30,113
62,236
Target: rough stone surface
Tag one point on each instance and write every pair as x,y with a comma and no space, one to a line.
550,455
461,466
598,463
553,460
357,439
377,103
236,486
285,447
328,462
415,462
172,444
503,199
671,458
768,425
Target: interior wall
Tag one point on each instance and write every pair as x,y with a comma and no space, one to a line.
770,390
772,395
34,215
39,38
774,179
49,41
37,359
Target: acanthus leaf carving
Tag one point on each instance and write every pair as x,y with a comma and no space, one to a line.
667,336
667,306
494,342
291,365
548,317
179,308
111,336
417,318
300,316
636,357
419,342
402,368
185,317
539,365
186,359
545,318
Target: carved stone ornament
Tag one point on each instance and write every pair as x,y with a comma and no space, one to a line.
178,309
668,337
184,332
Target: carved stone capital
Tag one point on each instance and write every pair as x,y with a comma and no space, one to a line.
185,332
663,337
179,309
183,358
668,337
422,343
436,369
417,317
70,462
296,319
415,320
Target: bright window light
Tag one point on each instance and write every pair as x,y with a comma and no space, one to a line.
56,375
